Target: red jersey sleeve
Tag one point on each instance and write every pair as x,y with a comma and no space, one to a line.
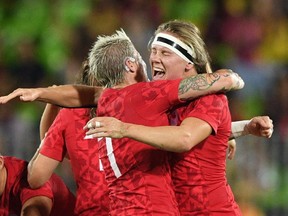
27,193
208,108
63,199
54,142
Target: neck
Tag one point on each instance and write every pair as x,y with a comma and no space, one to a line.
119,86
124,84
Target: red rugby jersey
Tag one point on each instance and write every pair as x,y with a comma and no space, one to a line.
17,191
138,175
199,175
66,135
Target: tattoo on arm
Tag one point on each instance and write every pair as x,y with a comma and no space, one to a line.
203,82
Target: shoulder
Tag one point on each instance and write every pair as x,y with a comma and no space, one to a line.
68,115
212,98
70,112
15,163
219,96
163,83
154,84
213,101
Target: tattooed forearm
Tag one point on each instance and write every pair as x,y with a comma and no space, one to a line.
203,84
198,83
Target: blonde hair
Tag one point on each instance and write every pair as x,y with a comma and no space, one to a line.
189,34
107,56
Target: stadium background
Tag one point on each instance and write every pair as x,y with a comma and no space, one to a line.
44,42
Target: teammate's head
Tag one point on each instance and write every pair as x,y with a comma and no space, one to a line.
179,42
112,56
84,77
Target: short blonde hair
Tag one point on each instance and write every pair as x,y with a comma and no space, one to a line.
107,56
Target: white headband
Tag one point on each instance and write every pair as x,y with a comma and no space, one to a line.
184,51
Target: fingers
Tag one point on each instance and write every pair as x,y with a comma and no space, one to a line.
268,133
16,93
231,154
231,149
95,129
3,100
97,124
95,135
105,127
26,95
7,98
90,136
267,126
264,121
261,126
92,124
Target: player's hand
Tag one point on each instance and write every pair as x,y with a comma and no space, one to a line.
105,127
231,149
236,82
261,126
24,94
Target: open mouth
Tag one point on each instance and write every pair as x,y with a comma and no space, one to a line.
158,74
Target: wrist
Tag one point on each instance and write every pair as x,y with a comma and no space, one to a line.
41,94
132,130
246,130
126,129
240,128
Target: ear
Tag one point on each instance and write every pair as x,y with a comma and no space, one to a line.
189,66
130,64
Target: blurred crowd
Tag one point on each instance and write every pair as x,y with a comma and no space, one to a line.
249,37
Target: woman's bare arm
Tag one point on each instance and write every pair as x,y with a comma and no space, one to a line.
63,95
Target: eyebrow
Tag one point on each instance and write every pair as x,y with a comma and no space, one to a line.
176,46
163,48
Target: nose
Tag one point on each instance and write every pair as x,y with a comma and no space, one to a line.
154,56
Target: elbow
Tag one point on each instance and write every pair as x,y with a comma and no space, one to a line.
33,182
185,143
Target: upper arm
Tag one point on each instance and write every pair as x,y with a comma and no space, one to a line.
41,170
197,128
37,206
71,95
49,114
89,95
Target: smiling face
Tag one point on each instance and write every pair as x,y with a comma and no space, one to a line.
166,64
178,51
